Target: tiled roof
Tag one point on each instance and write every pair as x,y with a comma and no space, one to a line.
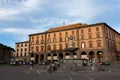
66,27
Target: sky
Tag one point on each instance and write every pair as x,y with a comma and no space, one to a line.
19,18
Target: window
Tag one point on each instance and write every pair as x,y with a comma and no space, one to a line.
48,35
98,35
54,40
25,54
37,42
42,36
66,33
54,46
82,36
37,37
82,45
32,42
49,47
21,50
37,48
66,38
90,36
54,34
72,32
17,50
60,34
21,54
60,39
17,55
17,45
21,45
89,30
42,48
32,48
66,45
99,43
60,46
26,44
97,28
82,31
32,38
25,49
49,41
110,43
42,41
90,44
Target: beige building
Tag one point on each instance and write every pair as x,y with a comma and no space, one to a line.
97,42
22,51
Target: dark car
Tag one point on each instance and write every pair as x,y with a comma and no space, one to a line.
107,63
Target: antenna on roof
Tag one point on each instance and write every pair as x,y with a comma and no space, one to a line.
63,23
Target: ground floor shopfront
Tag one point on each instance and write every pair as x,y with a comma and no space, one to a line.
94,55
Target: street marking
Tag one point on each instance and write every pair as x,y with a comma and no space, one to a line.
110,71
31,68
38,72
89,78
70,77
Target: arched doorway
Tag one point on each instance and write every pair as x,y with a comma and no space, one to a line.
92,56
41,58
83,55
49,58
100,56
67,56
55,57
32,55
60,56
75,55
36,58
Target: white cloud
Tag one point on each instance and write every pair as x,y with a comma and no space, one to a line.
15,8
82,9
20,31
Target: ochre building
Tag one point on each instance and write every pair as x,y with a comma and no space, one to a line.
22,51
96,42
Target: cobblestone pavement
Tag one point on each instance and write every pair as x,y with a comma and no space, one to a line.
39,72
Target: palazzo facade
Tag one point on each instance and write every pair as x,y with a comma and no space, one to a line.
22,51
96,42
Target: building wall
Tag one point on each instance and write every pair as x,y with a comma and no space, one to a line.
117,39
22,51
5,54
96,41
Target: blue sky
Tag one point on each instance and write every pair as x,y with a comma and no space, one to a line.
19,18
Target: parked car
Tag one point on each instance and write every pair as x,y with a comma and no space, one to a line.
12,62
107,63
